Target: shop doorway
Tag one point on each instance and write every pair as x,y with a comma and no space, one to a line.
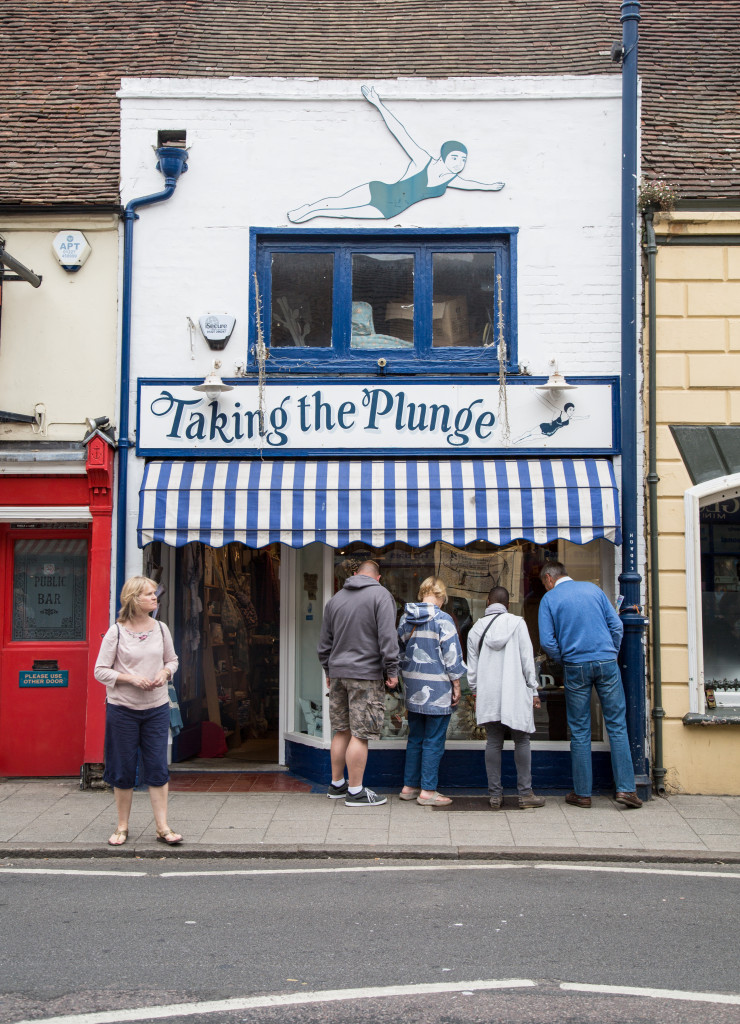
227,622
44,648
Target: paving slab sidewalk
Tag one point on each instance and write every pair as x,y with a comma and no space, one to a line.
53,818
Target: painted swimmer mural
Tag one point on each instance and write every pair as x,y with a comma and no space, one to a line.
426,177
561,417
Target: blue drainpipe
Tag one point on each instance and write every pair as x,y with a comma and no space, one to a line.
632,659
172,162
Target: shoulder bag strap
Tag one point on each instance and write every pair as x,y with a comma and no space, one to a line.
493,619
118,640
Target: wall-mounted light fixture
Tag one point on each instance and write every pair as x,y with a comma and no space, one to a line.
217,329
213,386
556,381
71,249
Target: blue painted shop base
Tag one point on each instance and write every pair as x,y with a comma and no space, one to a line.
460,769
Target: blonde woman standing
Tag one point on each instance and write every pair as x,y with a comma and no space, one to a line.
136,662
432,663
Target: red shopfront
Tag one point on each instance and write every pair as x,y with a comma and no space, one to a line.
55,558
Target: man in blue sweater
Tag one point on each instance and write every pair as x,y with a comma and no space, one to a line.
579,628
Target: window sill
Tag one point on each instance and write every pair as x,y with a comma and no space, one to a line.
725,716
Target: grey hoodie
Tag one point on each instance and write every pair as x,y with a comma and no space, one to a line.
358,635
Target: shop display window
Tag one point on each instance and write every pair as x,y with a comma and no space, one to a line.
49,589
468,574
720,586
309,677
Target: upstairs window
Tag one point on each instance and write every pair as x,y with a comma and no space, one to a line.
420,300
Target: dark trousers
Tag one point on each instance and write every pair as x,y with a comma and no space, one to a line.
128,731
522,759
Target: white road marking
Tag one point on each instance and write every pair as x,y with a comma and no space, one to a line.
71,871
453,866
286,999
615,869
368,868
445,866
654,993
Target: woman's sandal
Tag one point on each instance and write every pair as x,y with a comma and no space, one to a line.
435,800
163,837
119,832
410,794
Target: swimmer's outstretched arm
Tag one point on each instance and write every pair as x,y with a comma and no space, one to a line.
394,126
476,186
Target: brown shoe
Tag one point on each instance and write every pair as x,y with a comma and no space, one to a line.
494,802
530,800
578,801
628,799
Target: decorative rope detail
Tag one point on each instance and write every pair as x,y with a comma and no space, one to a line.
261,355
503,403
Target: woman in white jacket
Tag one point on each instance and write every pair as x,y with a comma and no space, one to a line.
501,671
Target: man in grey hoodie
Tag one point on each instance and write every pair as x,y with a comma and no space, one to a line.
358,650
501,670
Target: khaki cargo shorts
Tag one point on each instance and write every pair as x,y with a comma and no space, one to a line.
357,705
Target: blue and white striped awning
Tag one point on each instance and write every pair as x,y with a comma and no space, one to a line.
417,501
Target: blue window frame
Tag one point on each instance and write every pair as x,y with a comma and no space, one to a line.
341,300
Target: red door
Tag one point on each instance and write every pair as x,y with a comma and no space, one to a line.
44,649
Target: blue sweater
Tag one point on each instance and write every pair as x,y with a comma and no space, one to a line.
578,624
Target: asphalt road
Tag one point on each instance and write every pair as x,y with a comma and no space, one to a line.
160,933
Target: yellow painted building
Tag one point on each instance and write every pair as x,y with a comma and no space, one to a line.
59,342
697,448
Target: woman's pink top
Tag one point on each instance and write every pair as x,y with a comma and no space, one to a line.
126,652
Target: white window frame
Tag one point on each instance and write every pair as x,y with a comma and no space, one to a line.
695,498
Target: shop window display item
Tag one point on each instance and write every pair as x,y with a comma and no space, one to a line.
469,574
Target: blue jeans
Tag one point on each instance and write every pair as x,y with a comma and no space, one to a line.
579,679
424,749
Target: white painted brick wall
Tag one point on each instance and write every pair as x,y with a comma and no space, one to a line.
259,148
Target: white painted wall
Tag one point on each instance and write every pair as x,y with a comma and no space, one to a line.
261,147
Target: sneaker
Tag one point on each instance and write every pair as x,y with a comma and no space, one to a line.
494,802
365,798
336,792
530,799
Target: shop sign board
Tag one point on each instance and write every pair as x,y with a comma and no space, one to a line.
392,416
42,680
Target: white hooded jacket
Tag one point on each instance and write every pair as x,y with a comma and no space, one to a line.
503,675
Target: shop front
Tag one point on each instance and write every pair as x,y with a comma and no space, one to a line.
55,554
423,367
255,545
